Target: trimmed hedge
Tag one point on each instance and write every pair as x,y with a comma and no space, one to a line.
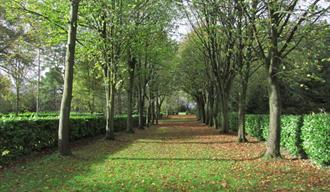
44,114
22,136
316,137
233,121
301,135
255,124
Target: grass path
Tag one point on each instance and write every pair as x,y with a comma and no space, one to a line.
173,156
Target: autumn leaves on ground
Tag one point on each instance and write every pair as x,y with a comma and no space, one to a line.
177,155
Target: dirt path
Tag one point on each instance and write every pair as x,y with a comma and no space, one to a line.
177,155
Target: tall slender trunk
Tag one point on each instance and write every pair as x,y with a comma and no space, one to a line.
225,111
207,110
119,104
241,111
112,111
107,103
18,98
157,108
148,113
152,111
110,95
131,69
141,107
211,107
38,82
274,137
274,61
216,112
64,122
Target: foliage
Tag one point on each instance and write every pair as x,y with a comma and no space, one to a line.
25,134
316,137
233,122
254,126
291,133
301,135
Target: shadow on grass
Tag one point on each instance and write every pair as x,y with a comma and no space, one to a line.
184,159
184,142
56,172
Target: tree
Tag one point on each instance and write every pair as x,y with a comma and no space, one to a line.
64,123
282,22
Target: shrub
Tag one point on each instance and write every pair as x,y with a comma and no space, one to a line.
302,136
20,136
233,121
291,134
316,137
253,126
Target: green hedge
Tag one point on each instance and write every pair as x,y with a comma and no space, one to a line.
45,114
233,121
255,124
316,137
301,135
22,136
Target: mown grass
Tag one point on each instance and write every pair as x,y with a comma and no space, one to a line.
174,156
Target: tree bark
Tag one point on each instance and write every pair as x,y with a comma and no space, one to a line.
64,122
157,106
241,111
18,98
141,107
216,112
211,107
274,137
225,111
119,104
110,95
273,63
131,69
38,82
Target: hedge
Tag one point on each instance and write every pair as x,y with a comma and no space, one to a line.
255,124
233,121
316,137
21,136
44,114
301,135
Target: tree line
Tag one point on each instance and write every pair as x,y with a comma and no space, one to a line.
233,42
107,53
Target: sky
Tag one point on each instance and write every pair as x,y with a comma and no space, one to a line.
183,26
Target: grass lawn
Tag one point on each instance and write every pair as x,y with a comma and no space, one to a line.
174,156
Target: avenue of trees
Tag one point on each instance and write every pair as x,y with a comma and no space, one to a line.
118,57
284,45
111,53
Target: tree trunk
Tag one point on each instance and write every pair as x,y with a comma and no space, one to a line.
225,110
64,122
112,111
153,111
211,107
119,104
273,64
148,117
216,112
157,106
141,107
131,68
241,111
207,110
274,137
110,95
18,98
38,83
